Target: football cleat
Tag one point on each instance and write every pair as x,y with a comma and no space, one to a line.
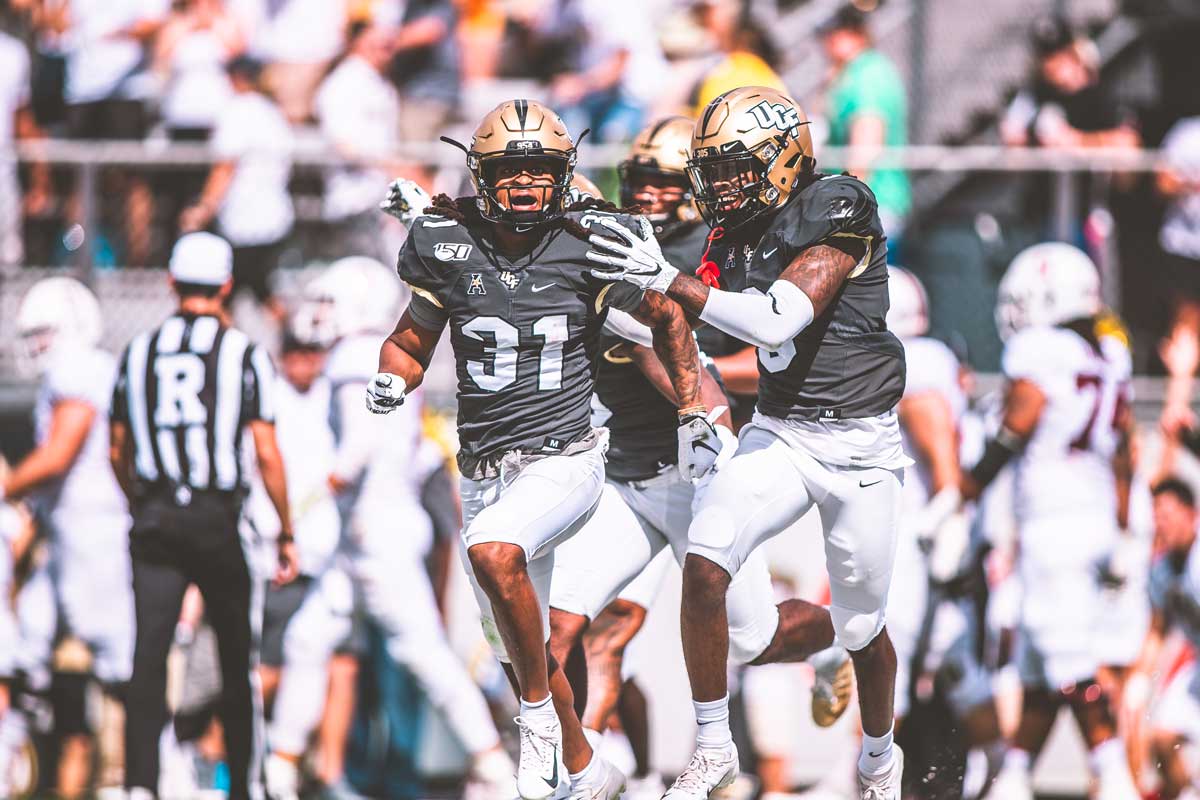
538,774
833,683
708,771
607,783
887,785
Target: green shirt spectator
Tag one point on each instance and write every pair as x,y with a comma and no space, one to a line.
868,109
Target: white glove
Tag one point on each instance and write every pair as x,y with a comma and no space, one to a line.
700,444
946,548
385,392
637,260
405,201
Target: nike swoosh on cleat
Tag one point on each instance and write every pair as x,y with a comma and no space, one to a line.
552,781
543,288
872,483
697,445
872,755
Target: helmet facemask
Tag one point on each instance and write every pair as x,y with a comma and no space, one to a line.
731,187
672,193
497,203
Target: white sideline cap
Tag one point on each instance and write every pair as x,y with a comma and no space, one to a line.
202,258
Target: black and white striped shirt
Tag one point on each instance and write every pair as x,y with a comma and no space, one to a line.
186,391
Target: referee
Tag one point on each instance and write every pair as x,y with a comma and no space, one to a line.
184,394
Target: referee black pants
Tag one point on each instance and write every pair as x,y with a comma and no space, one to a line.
173,546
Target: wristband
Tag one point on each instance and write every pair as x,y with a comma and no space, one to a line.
286,538
698,410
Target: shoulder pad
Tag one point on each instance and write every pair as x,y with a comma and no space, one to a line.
838,205
843,203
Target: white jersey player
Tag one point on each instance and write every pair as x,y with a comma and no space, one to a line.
303,397
71,486
933,605
385,536
1064,420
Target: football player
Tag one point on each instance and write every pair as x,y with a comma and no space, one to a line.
654,178
1065,414
385,538
800,272
70,484
1175,602
646,505
938,576
506,271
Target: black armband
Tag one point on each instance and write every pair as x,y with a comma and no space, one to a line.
1000,449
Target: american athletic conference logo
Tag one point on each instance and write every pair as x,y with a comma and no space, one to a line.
779,116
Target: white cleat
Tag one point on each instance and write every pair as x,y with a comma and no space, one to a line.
608,783
833,683
538,775
887,785
492,777
1011,784
282,778
708,771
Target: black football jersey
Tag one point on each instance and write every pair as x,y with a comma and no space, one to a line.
525,331
642,423
846,364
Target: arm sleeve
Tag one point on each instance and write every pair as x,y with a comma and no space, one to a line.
767,321
620,323
426,314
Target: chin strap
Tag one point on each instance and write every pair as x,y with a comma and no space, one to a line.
709,272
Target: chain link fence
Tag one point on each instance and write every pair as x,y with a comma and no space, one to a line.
960,248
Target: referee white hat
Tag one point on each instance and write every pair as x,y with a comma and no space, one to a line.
203,259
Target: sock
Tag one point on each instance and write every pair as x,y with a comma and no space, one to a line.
541,712
594,737
580,778
1016,759
876,757
1107,755
713,719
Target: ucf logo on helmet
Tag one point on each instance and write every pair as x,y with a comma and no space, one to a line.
775,115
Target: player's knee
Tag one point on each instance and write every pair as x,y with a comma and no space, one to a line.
856,630
704,581
496,563
713,535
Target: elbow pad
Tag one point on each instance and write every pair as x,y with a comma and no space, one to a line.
768,321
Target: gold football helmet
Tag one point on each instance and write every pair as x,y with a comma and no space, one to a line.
748,151
658,158
515,133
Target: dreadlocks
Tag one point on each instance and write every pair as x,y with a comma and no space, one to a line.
464,211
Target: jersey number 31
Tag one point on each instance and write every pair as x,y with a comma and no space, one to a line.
501,342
